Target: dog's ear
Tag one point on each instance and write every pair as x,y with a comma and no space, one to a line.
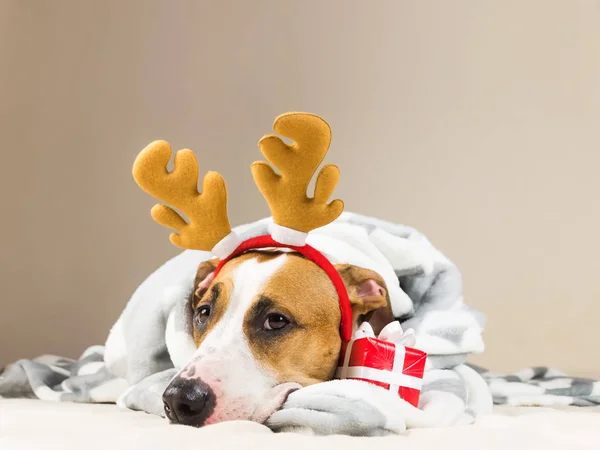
204,277
368,295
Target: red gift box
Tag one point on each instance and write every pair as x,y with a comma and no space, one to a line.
384,361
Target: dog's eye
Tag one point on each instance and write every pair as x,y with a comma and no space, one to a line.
275,322
202,314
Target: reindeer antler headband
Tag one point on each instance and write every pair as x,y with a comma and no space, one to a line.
294,213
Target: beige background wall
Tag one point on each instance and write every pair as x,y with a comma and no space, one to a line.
476,122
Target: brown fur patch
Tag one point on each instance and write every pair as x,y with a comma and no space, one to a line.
308,352
204,269
376,310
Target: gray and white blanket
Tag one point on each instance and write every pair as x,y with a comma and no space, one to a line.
152,340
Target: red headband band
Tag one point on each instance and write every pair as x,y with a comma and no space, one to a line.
316,257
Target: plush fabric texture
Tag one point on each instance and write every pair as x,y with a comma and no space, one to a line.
207,211
29,424
152,339
541,386
286,192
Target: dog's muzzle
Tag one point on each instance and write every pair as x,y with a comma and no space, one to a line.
188,402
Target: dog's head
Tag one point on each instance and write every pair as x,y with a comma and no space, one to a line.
266,325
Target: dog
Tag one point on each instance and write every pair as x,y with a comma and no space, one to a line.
265,326
266,323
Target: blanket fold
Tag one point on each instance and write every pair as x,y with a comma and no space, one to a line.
152,340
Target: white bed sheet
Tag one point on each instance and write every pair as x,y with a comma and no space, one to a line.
37,425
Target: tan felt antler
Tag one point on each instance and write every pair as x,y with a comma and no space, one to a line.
206,211
286,193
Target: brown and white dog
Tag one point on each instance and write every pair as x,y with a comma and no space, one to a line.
268,322
265,326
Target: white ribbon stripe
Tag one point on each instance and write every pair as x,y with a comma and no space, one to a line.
398,365
383,376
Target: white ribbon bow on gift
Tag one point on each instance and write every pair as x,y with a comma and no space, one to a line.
392,332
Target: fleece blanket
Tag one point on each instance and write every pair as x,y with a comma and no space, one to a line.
152,340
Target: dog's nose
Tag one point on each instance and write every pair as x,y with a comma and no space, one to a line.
188,402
